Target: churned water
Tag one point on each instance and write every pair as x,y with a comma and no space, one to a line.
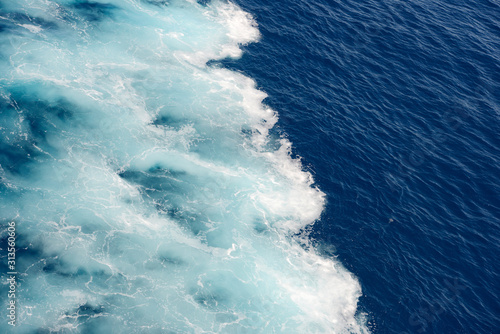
147,190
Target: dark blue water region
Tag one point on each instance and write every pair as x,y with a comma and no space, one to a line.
394,106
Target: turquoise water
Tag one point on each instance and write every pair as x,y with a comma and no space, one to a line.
147,190
250,167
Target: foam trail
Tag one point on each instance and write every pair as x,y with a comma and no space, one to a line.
148,192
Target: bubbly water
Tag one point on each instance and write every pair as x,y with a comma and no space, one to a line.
149,194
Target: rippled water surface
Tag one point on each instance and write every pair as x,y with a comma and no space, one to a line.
394,106
251,167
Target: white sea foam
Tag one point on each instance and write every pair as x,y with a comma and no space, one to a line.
157,199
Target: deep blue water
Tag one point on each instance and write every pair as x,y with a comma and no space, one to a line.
394,106
153,193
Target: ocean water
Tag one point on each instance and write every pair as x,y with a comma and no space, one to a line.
146,189
250,166
394,107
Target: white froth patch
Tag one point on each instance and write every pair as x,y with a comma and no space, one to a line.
294,198
241,29
260,117
32,28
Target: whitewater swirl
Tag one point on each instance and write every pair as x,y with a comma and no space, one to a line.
148,192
